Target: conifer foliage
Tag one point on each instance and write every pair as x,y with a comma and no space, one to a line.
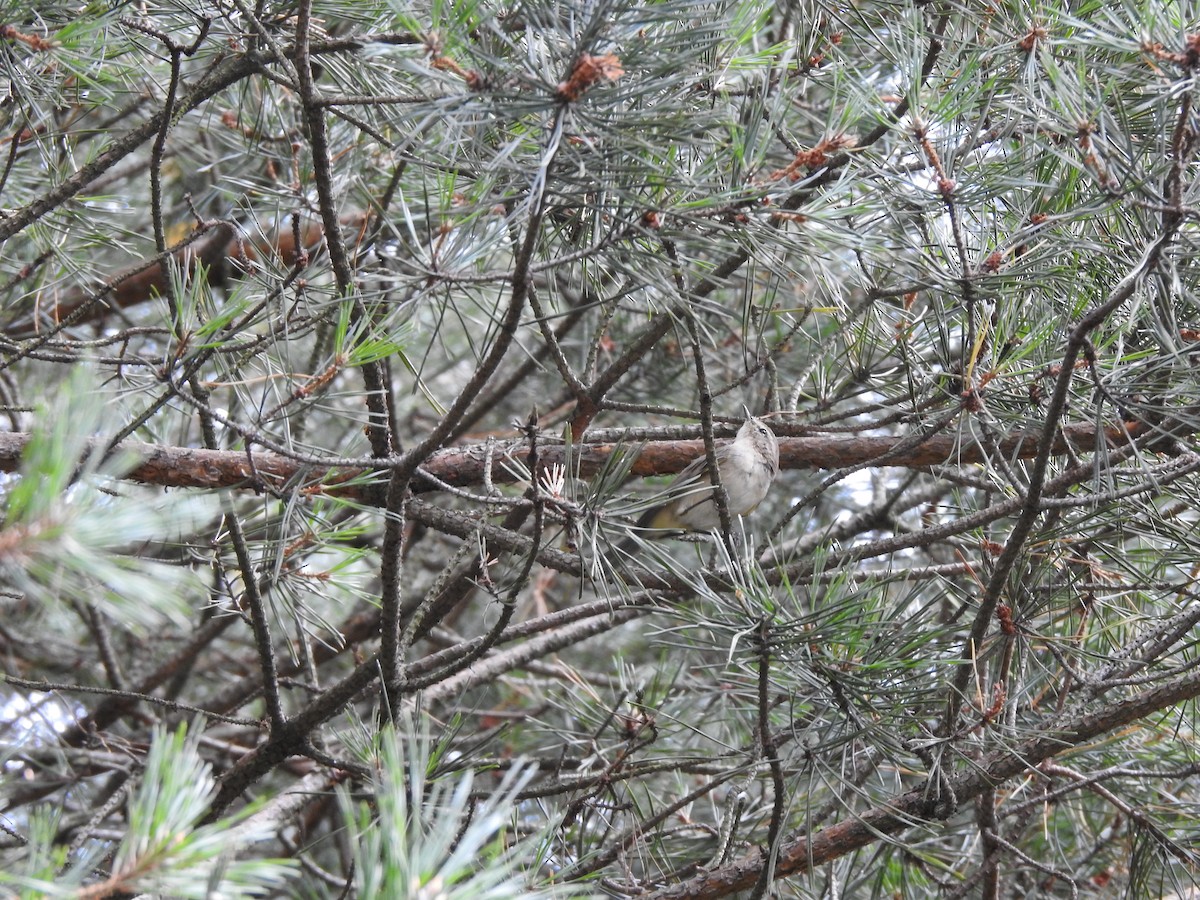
342,346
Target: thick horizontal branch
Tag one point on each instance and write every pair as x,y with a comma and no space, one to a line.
465,465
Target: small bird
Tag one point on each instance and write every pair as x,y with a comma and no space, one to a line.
747,464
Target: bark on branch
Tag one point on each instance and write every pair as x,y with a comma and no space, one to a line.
464,466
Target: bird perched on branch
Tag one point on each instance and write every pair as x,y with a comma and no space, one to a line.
747,465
